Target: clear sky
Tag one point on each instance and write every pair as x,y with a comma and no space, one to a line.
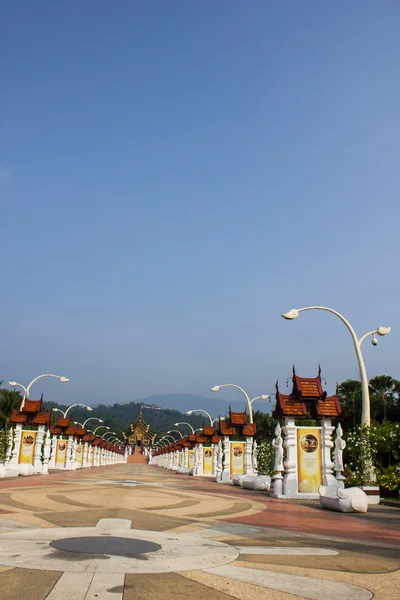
175,174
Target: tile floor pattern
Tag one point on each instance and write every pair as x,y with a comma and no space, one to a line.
134,532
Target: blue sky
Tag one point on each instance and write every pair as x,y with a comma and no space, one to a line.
174,175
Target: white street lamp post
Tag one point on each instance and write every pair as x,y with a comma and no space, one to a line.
189,412
216,388
87,420
184,423
100,427
175,431
69,408
366,410
108,433
28,387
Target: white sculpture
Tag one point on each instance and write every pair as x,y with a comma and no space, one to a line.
345,500
277,444
340,445
218,461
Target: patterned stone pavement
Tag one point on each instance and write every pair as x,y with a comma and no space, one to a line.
134,532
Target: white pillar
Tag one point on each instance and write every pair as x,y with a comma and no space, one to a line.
226,472
290,487
248,465
68,462
46,453
17,443
328,478
52,462
37,457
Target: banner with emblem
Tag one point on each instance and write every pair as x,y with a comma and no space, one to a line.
208,456
237,458
309,459
61,454
27,447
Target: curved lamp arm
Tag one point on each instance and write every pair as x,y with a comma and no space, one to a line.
217,387
175,431
184,423
189,412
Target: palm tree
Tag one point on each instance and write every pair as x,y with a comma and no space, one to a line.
9,399
383,391
349,393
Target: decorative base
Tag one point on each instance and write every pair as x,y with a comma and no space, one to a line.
373,493
297,496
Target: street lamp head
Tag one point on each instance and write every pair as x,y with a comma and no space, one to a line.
292,314
175,424
264,397
13,383
380,331
89,408
374,341
215,388
100,420
64,379
189,412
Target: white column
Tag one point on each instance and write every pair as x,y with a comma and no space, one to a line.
328,478
290,486
37,457
199,449
46,453
52,462
17,443
248,466
68,462
226,473
85,455
254,461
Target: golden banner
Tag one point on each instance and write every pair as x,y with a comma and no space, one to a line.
309,459
237,458
191,459
208,455
61,453
27,447
79,454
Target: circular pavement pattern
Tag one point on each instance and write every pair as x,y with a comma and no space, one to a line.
113,546
60,549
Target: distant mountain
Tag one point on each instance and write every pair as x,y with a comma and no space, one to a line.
161,412
215,405
117,417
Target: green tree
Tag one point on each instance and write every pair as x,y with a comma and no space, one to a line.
265,425
383,396
349,392
9,399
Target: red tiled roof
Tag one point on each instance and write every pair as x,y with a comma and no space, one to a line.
208,429
307,398
42,418
226,429
18,417
215,439
32,406
249,429
238,418
200,439
71,430
55,430
62,422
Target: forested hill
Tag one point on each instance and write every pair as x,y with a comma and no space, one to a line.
119,416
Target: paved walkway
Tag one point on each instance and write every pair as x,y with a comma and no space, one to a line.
134,532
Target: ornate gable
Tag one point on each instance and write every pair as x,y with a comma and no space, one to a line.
308,399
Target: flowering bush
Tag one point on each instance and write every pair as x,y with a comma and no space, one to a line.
377,445
389,479
265,458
